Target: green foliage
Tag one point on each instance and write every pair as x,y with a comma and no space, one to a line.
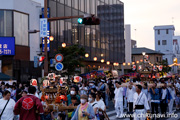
73,57
166,67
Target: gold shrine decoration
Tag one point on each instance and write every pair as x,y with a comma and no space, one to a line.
175,63
175,60
53,95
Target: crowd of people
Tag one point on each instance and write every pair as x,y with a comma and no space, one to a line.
92,97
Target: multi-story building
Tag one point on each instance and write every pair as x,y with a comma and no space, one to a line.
164,41
104,41
17,17
128,43
176,51
133,44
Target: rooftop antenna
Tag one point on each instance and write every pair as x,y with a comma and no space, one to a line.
135,33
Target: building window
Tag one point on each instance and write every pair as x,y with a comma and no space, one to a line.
156,59
167,31
159,42
21,28
158,32
6,26
164,42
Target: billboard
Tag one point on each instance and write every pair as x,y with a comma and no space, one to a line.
7,46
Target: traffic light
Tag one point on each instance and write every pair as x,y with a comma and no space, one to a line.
41,60
89,20
80,21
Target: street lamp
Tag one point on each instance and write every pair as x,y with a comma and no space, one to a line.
124,64
117,64
102,60
108,62
137,62
143,53
63,45
102,55
114,64
51,38
86,55
129,63
95,58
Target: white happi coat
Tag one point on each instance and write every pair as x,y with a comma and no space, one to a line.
141,99
130,94
118,101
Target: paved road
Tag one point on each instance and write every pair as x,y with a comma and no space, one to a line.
112,114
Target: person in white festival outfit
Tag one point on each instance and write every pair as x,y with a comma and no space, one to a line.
7,114
118,100
129,95
140,104
173,94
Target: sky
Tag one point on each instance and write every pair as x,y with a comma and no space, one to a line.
143,15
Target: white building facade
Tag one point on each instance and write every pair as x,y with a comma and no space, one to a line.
164,41
17,17
128,43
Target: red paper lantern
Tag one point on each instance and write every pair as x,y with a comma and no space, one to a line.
46,96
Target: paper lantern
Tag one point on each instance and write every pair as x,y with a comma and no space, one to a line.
34,82
77,79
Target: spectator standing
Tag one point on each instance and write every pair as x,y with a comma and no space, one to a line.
91,100
29,107
83,90
6,106
165,99
84,111
13,93
73,92
19,91
155,98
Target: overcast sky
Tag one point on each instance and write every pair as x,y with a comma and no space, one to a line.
143,15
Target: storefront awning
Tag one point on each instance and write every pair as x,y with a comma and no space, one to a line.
5,77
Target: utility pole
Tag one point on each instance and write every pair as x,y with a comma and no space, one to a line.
45,43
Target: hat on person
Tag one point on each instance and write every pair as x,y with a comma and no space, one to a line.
84,96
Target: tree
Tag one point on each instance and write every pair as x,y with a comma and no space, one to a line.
166,67
73,57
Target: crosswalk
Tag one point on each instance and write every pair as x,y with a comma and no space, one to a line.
112,116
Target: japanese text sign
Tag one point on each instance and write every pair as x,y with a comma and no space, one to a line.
7,46
43,27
